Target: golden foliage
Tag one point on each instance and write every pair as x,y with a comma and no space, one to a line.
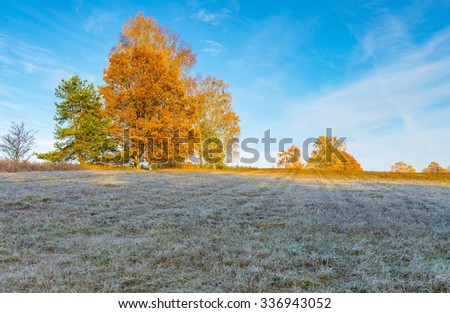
434,167
401,167
146,88
330,154
216,117
290,158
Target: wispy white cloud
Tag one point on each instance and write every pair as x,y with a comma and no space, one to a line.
9,104
210,17
213,16
388,37
19,57
30,68
213,47
77,4
98,20
265,62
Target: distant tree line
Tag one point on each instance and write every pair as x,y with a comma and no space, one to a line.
433,167
290,158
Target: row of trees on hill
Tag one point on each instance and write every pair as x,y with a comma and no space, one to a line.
339,160
18,143
433,167
149,99
328,154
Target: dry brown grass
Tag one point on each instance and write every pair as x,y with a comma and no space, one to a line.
24,166
178,231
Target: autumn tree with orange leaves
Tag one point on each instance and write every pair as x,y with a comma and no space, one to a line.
146,91
401,167
330,153
290,158
434,167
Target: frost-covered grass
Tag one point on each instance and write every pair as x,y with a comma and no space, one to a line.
175,231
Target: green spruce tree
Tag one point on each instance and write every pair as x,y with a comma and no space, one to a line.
80,125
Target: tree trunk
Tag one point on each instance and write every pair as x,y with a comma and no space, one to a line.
81,160
200,152
137,162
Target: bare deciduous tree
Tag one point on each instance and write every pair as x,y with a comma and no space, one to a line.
18,143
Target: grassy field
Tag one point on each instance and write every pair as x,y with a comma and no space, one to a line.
239,231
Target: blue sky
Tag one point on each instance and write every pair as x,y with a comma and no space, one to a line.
377,73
